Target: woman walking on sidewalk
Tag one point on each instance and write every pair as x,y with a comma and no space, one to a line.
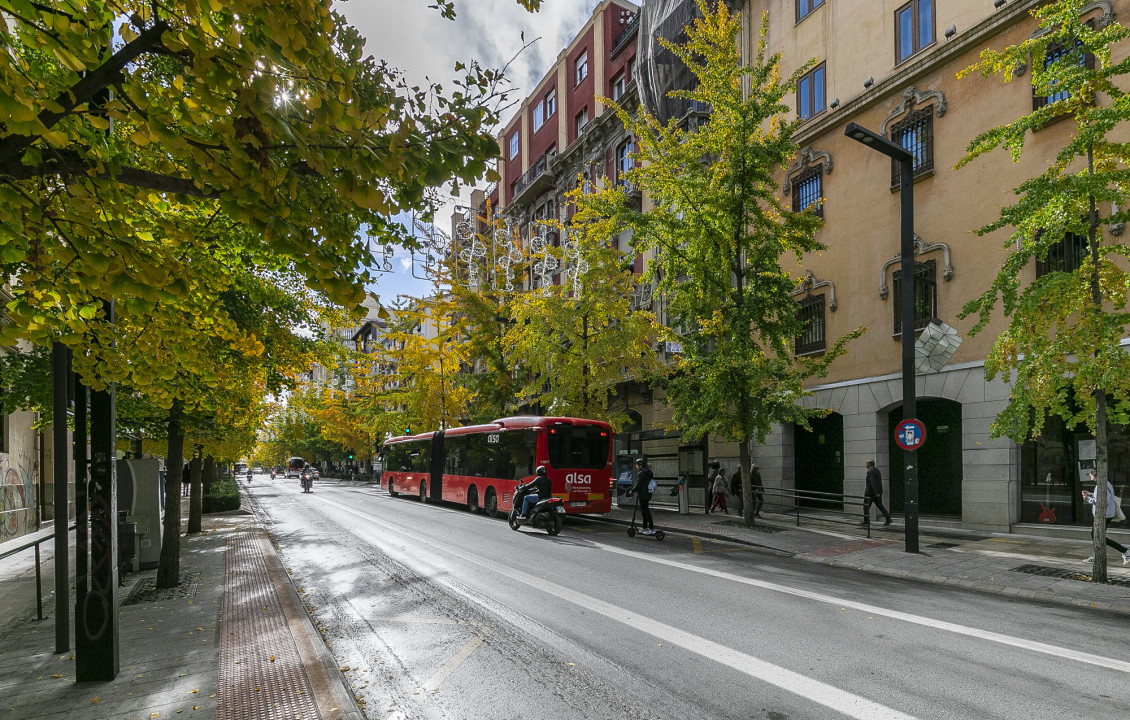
1111,511
719,488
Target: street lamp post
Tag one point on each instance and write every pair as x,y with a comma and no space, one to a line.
906,297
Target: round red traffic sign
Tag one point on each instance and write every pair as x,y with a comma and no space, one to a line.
910,434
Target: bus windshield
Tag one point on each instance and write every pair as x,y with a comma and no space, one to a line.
578,447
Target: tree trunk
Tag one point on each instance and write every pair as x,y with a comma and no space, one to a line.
748,500
209,473
168,567
194,494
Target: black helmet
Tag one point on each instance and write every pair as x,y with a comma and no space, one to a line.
640,461
541,470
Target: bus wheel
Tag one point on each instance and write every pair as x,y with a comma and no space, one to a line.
391,489
491,503
472,500
558,523
423,493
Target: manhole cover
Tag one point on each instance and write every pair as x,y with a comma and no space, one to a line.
146,590
1056,572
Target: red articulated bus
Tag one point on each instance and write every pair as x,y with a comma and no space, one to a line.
479,466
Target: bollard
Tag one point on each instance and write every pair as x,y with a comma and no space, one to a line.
684,501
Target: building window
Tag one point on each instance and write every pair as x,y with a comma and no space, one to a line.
617,90
1060,54
810,93
582,119
915,132
804,7
514,145
808,190
811,316
914,28
581,67
550,103
623,160
539,116
1067,255
925,295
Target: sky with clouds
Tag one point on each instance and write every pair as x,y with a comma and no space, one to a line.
415,39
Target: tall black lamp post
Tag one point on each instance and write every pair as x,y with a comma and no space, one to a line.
906,297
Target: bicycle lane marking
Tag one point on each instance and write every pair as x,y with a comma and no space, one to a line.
803,686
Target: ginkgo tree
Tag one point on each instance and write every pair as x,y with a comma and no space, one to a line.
1063,347
722,239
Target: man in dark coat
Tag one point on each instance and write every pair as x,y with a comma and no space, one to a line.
874,494
643,495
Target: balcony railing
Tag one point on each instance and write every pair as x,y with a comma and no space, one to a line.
625,35
540,165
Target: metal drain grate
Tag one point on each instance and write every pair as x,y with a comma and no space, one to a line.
942,546
1047,571
146,590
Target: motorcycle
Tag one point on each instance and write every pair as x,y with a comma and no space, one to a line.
548,514
307,479
272,474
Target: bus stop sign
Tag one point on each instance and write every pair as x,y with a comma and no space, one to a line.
910,434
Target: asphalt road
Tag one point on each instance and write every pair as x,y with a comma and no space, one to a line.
438,613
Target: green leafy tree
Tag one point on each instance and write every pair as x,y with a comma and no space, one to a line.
1062,344
576,342
722,239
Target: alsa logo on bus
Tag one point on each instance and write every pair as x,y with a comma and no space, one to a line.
578,479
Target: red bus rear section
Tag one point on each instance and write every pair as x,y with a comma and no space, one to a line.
480,465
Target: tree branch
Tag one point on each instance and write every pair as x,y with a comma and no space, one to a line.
85,89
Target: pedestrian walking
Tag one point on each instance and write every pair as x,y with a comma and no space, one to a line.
736,489
874,494
1111,512
643,488
757,488
719,487
185,480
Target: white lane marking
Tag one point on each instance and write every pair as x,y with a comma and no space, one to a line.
1053,650
1022,643
432,684
841,701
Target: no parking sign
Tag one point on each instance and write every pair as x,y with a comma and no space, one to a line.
910,434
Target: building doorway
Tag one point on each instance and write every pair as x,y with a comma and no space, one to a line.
939,460
818,456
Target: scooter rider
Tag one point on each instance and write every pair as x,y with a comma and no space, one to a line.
536,489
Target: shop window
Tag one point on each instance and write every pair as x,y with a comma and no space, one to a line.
915,132
811,316
925,295
1067,255
808,190
810,93
914,28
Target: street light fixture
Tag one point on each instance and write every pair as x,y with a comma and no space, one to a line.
906,297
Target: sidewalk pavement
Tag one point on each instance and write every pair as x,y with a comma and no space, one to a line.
1030,566
231,641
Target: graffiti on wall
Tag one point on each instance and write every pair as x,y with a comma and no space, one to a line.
17,497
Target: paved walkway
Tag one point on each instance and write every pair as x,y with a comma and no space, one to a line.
233,641
1044,568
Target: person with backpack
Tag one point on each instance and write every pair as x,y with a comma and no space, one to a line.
719,487
644,487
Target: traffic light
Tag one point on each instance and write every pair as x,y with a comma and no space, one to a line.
350,454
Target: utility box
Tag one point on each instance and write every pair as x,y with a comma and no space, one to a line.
139,494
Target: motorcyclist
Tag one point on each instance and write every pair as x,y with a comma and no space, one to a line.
535,490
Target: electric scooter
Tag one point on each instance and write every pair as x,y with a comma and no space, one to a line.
659,534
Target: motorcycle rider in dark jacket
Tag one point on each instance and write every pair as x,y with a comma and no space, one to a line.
536,490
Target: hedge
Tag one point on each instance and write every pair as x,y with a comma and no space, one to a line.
223,496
